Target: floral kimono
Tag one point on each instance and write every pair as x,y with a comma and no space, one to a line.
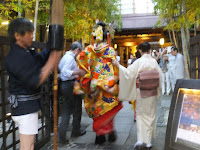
100,104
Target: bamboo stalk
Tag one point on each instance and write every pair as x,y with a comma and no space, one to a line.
19,13
57,17
185,51
35,20
55,105
57,12
173,33
170,36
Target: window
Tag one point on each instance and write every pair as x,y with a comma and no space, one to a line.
143,6
127,6
136,6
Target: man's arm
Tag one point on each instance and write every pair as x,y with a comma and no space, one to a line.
115,62
165,57
44,55
67,72
48,67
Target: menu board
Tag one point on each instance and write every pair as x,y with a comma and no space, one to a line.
183,127
188,132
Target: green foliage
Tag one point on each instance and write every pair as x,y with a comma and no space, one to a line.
43,12
10,8
80,15
172,12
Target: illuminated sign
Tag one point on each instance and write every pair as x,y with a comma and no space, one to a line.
183,128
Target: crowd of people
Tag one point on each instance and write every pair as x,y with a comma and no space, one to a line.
173,67
93,74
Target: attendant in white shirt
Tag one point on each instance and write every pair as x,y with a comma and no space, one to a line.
130,60
180,72
166,82
72,103
171,68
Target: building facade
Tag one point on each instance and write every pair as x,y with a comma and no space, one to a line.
139,25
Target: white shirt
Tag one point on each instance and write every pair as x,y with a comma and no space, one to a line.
67,66
171,61
179,66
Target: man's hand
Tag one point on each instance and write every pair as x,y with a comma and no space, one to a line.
157,53
165,58
164,51
82,72
109,89
115,62
95,94
50,64
79,72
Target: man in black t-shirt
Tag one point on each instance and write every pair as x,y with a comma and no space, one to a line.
27,70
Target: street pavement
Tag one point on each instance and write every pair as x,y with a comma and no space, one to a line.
125,128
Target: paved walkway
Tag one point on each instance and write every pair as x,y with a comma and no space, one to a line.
125,128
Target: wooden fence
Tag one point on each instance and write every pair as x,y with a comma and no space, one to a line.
195,57
9,138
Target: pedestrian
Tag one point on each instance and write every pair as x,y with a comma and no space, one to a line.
180,71
138,55
130,60
156,55
166,87
145,98
101,104
170,59
27,70
72,103
124,56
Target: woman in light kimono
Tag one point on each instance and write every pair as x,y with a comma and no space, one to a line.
145,107
101,76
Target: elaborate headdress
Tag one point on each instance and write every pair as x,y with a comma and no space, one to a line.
101,32
98,34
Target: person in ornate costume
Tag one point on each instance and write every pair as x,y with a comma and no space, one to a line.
100,105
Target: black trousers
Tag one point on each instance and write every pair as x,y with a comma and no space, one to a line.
72,106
